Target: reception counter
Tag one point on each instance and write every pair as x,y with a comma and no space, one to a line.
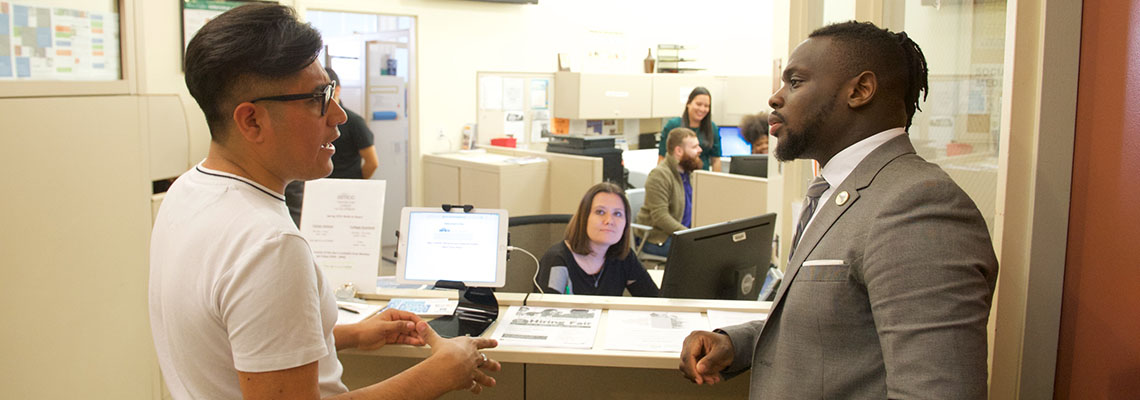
556,373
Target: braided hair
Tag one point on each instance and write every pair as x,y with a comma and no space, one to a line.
895,59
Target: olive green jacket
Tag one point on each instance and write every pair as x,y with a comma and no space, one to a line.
664,201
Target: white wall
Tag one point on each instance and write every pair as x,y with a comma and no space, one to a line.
457,38
77,206
159,67
76,214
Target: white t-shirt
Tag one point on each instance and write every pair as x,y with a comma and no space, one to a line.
233,287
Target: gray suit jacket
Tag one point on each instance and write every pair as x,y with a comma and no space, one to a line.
887,296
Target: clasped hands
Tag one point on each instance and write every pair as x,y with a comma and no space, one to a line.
460,356
704,355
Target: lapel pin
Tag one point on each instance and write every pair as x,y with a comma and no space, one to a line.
841,198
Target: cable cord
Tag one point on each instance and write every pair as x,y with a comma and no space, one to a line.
536,267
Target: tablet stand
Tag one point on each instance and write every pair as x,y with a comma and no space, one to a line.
478,308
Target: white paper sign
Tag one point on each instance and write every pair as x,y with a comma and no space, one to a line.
341,219
491,93
513,93
720,319
513,124
548,327
650,330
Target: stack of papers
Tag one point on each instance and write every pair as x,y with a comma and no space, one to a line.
720,319
425,307
351,312
573,328
389,282
651,330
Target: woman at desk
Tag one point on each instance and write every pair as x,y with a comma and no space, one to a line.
696,117
595,257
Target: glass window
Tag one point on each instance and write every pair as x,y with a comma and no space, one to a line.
960,122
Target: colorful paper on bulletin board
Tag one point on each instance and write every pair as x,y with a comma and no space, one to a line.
49,43
561,126
594,127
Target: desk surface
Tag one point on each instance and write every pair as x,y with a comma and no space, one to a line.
579,357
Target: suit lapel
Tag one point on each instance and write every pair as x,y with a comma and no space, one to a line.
829,212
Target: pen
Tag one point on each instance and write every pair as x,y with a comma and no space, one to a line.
348,309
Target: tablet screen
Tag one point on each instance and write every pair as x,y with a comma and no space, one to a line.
469,247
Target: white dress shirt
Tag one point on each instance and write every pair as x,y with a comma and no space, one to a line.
845,161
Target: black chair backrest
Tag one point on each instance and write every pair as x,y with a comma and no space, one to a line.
536,234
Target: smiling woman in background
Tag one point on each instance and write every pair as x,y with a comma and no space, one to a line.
595,257
696,117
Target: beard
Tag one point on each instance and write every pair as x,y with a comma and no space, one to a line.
690,164
796,142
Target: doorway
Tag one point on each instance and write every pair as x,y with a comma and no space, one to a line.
374,56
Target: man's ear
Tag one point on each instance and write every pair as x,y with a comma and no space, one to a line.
249,121
863,88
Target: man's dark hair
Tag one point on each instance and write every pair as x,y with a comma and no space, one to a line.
333,76
260,41
754,127
895,59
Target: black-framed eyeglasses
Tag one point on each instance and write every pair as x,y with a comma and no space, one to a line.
325,95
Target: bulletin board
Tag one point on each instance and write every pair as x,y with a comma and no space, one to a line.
70,40
515,104
196,13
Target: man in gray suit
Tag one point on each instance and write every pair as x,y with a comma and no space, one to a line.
889,287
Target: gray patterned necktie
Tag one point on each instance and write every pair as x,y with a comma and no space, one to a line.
816,189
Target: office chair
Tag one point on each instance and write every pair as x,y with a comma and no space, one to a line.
636,200
534,233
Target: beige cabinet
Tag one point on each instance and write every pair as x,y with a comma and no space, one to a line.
516,184
629,96
602,96
671,91
741,95
733,96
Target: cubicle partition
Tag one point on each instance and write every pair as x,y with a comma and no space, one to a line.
720,197
487,180
569,177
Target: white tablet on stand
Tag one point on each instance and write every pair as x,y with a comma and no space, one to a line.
460,247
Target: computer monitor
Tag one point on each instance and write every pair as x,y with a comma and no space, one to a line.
728,260
751,165
732,143
468,247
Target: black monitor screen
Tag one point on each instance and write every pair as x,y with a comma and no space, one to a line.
722,261
732,143
751,165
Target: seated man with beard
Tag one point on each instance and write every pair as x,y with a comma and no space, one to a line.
669,191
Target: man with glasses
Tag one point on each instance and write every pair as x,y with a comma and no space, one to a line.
238,307
355,156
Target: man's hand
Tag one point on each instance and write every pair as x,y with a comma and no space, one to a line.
389,327
704,354
460,361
